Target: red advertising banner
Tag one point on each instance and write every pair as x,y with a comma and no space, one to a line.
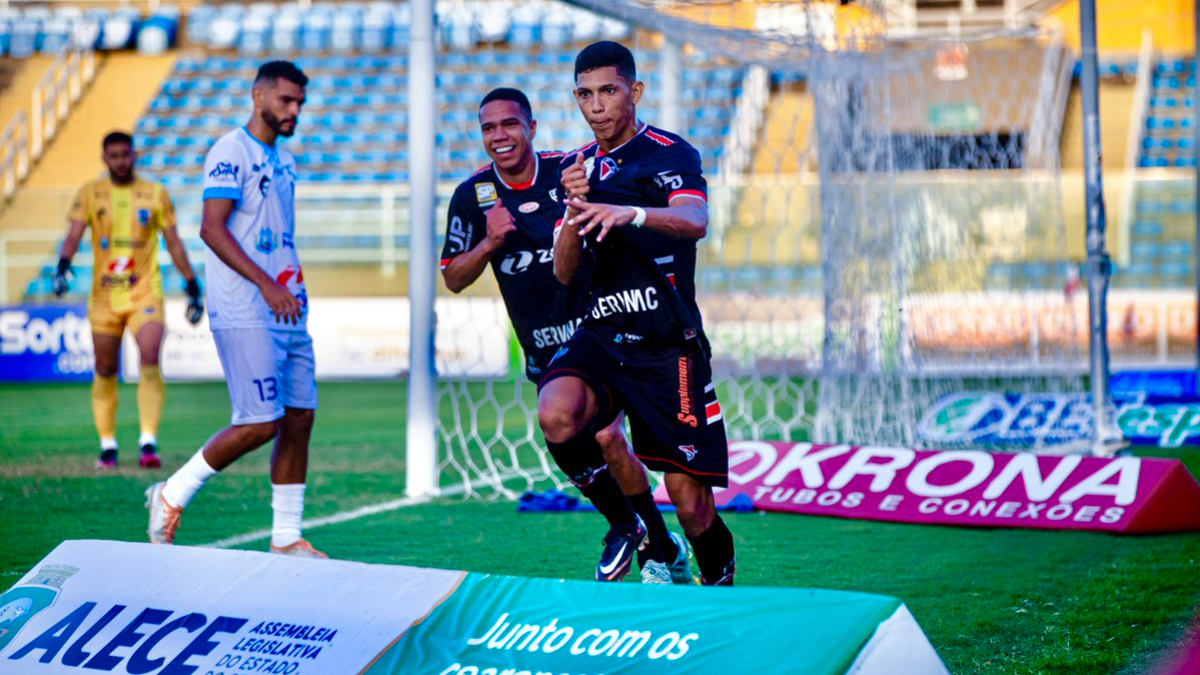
964,487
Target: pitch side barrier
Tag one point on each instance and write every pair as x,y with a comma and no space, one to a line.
102,606
964,487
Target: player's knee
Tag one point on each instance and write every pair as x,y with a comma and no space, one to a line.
106,368
695,515
559,423
299,419
258,434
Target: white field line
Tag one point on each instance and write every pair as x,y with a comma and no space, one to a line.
340,517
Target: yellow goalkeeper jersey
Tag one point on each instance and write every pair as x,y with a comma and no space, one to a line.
125,221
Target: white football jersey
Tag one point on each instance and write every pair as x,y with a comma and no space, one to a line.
262,180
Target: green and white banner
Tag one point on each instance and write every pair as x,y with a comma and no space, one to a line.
142,609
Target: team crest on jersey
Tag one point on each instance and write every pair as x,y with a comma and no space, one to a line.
608,168
103,243
689,451
144,217
266,240
528,207
485,192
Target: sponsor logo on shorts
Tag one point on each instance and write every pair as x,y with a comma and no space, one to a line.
689,451
485,192
528,207
685,414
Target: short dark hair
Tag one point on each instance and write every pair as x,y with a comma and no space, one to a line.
117,138
607,53
273,70
509,94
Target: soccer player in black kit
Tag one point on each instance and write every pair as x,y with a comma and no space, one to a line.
635,205
505,215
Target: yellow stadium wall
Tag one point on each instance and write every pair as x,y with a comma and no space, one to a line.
1120,23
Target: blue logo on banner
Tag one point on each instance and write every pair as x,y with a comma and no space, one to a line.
975,419
45,343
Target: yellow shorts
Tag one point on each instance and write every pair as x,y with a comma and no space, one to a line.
105,321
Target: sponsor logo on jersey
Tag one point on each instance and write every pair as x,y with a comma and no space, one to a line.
291,273
224,170
528,207
120,266
485,192
554,195
627,301
685,414
559,353
520,261
689,451
289,240
608,168
266,240
264,184
589,165
144,217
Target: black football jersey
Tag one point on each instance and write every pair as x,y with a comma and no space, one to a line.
643,283
544,313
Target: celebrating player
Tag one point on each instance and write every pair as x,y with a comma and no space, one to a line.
126,213
504,215
638,198
258,310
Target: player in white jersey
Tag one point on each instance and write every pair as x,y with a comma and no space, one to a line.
258,309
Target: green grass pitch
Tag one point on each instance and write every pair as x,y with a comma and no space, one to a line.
991,601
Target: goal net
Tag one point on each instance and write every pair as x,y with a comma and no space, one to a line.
887,260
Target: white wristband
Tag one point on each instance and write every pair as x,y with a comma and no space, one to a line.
639,216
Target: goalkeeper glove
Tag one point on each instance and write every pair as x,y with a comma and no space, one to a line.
195,306
62,277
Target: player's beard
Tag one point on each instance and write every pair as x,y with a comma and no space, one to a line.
277,125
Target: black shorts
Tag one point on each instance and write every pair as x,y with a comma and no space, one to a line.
671,403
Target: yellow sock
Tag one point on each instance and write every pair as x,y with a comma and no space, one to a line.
151,394
104,406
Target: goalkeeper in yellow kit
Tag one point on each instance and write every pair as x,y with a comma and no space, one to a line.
126,213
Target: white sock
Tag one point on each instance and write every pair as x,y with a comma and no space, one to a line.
108,444
187,481
147,439
287,501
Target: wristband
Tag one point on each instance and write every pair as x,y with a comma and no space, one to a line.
639,216
64,264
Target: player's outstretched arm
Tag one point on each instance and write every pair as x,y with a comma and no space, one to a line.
462,270
215,233
70,246
685,218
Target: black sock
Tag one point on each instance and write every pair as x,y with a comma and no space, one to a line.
714,554
609,501
659,546
582,460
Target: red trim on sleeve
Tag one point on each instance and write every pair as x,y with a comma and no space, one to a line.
558,224
688,193
446,262
660,139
